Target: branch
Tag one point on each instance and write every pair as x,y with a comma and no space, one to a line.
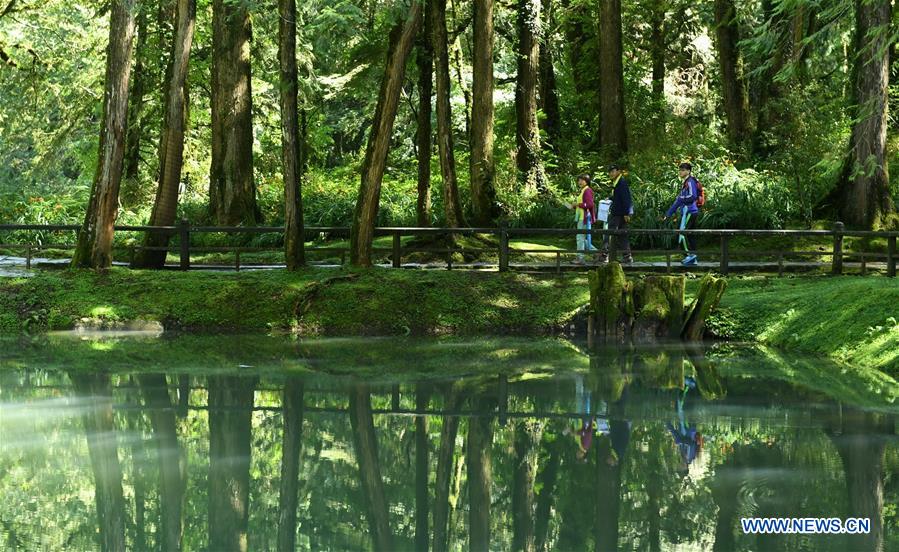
8,9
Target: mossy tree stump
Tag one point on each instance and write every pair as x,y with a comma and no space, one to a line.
711,289
650,308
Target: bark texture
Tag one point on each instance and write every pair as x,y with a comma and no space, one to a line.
291,159
483,171
451,204
423,133
735,94
527,131
612,129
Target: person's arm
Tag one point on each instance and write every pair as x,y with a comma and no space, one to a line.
691,191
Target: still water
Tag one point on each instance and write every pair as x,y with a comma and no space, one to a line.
231,442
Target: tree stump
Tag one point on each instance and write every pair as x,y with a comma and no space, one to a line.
659,307
611,302
710,291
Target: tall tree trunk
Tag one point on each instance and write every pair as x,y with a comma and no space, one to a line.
456,47
94,249
735,95
230,432
171,143
865,185
527,132
171,459
613,129
527,437
451,203
366,212
366,445
290,135
291,165
232,190
657,50
483,171
480,476
425,62
548,97
445,456
99,427
136,104
422,446
292,442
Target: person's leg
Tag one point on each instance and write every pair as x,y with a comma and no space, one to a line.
625,243
590,246
691,239
581,241
681,238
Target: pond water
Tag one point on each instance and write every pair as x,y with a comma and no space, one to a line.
411,444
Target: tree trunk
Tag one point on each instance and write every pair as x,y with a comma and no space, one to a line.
172,462
483,170
527,132
657,51
865,186
94,248
366,212
291,165
735,96
612,129
366,446
548,97
171,143
451,203
444,474
425,62
136,104
232,190
480,476
422,446
527,437
99,427
230,432
292,443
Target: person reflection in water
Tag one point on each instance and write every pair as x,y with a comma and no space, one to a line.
687,437
590,424
587,425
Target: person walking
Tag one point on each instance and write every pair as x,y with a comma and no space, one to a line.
620,213
584,216
687,205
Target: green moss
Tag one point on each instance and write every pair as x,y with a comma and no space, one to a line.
850,319
319,302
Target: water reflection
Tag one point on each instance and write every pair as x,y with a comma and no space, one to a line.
542,446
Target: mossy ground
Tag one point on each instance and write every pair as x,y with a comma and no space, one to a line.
850,319
310,302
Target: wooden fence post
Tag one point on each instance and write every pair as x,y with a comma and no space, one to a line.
503,249
837,268
891,256
397,250
725,254
184,238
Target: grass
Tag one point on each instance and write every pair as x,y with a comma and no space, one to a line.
310,302
850,319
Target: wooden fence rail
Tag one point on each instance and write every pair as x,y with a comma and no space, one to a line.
725,254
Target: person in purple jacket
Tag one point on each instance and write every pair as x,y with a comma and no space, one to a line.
686,205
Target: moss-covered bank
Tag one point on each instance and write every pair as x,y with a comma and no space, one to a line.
313,302
851,319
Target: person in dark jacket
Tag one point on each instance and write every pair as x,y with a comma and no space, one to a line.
620,213
686,206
